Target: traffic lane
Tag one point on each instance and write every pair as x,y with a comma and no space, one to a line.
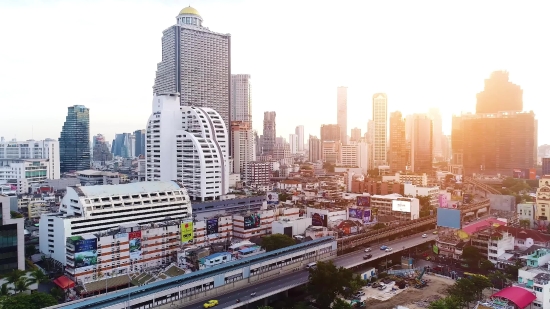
266,287
396,245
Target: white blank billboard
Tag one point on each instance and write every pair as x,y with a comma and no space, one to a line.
401,206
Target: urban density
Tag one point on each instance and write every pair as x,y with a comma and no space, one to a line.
198,209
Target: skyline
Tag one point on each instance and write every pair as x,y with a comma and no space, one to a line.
111,70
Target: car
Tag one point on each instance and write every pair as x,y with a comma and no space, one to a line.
434,232
383,247
367,256
367,250
424,235
211,303
359,294
389,249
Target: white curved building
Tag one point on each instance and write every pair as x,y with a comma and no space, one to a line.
188,144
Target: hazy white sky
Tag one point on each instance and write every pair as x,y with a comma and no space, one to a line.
103,54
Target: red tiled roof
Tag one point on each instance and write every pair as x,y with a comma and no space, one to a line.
519,296
520,233
481,225
64,282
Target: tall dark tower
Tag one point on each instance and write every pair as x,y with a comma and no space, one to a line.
74,143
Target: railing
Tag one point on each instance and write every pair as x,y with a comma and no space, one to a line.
481,185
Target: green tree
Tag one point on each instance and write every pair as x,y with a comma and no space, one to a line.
486,265
277,241
462,291
513,270
449,302
14,275
300,305
30,250
58,293
326,282
471,255
524,224
36,300
341,304
21,285
5,290
37,276
499,279
480,283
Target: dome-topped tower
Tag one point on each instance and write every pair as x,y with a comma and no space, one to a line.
189,16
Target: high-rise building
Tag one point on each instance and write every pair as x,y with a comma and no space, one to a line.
12,236
446,147
494,144
269,133
380,118
369,136
435,116
300,132
355,135
124,145
293,142
342,113
74,142
314,145
243,146
348,155
545,166
330,152
140,143
499,95
188,144
101,151
196,62
421,144
241,100
398,150
330,133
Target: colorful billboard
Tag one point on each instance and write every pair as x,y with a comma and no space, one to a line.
318,220
368,216
355,213
448,217
85,252
443,200
435,249
251,222
212,226
401,206
272,198
186,229
467,198
363,201
134,239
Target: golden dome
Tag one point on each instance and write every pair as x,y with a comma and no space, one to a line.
189,10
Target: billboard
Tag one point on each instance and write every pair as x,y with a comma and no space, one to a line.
443,200
134,239
363,201
368,216
435,249
85,253
186,229
212,226
252,221
448,217
467,198
272,198
355,213
319,220
401,206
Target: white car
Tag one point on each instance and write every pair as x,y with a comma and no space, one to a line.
389,250
367,250
424,236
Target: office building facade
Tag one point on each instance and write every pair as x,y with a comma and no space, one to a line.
300,132
342,113
437,133
101,151
241,99
243,146
380,136
74,142
355,135
314,145
196,63
398,150
499,95
139,146
293,143
12,238
270,133
188,144
421,144
330,133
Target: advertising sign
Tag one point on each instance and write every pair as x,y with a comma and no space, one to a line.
443,200
319,220
212,226
272,198
467,198
367,216
448,217
251,222
355,213
85,253
135,244
435,249
401,206
186,229
363,201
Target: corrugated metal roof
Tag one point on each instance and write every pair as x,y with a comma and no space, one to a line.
129,189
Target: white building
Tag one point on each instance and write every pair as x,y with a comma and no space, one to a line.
93,209
348,155
258,173
243,146
241,101
212,230
535,277
248,225
300,132
293,141
326,217
417,180
188,144
95,177
388,205
25,164
380,134
290,227
497,247
414,191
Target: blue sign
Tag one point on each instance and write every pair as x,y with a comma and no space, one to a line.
85,245
355,213
448,217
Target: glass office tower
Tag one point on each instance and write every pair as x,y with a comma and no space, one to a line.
74,143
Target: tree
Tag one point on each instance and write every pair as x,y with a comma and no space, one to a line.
513,270
21,285
14,275
5,290
277,241
471,255
449,302
57,293
36,300
499,279
326,282
486,265
341,304
480,283
462,291
30,250
525,224
37,276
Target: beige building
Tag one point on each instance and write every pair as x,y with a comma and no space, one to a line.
542,208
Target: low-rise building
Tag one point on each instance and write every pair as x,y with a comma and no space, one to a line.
326,216
215,259
415,191
94,178
216,229
291,227
403,208
418,180
249,224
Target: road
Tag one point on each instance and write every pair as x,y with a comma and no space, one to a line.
270,287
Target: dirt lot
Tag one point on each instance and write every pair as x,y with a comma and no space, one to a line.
411,297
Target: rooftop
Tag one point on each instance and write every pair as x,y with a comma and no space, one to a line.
127,189
96,173
482,225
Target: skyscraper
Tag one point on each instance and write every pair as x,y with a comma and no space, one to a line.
380,118
342,113
101,151
499,95
187,150
300,132
293,141
196,62
74,142
243,146
330,133
398,153
314,148
435,116
421,144
355,135
270,133
140,143
241,101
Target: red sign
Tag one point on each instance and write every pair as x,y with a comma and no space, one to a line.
132,235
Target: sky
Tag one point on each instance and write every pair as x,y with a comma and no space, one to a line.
103,54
